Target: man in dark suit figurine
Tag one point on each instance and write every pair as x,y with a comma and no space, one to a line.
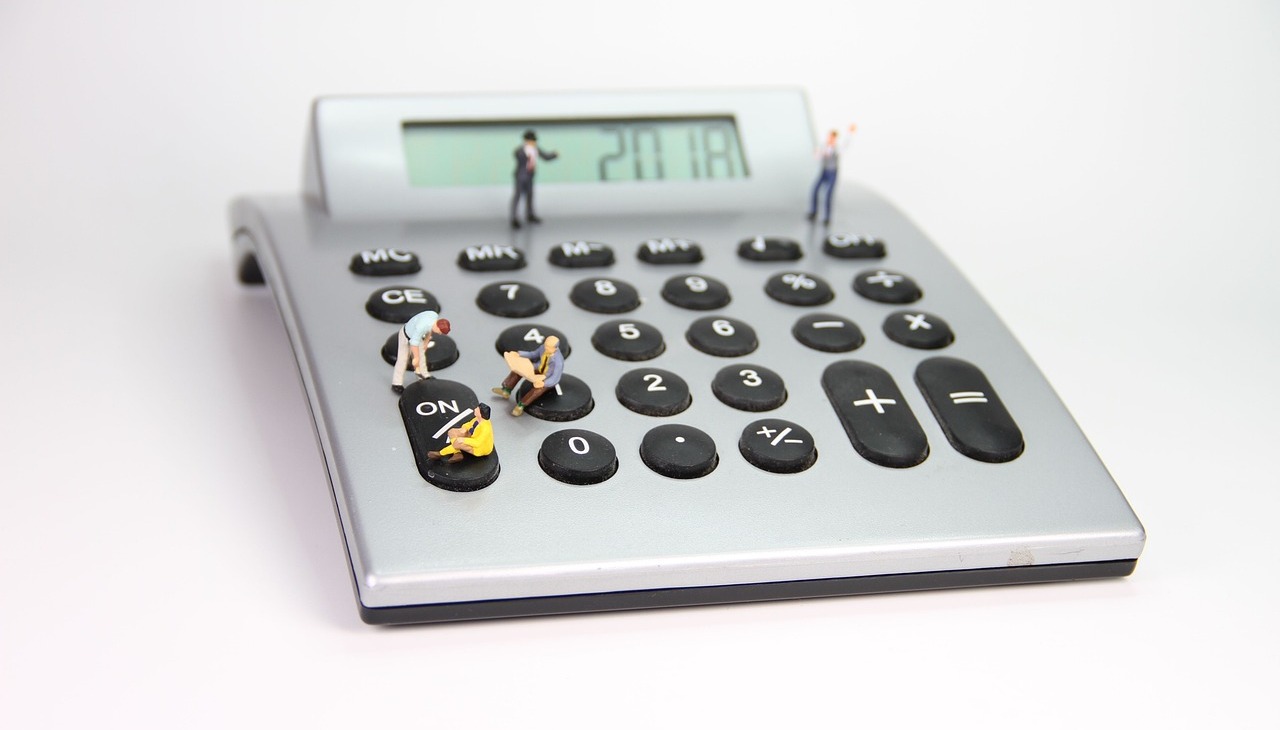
527,156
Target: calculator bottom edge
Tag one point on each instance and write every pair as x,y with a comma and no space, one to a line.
748,592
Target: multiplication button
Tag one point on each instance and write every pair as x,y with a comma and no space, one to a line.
798,289
828,333
968,409
722,336
653,392
512,299
606,296
778,446
920,330
889,287
875,416
679,451
575,456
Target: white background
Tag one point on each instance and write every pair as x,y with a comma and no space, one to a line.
1106,173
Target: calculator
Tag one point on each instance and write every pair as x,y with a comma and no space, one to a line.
750,405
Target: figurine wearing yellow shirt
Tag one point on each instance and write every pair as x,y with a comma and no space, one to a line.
474,437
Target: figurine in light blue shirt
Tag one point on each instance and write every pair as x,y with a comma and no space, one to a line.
415,338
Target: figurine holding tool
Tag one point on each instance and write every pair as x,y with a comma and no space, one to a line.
475,437
541,367
415,338
829,157
527,156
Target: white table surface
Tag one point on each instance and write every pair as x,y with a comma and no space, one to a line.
1106,173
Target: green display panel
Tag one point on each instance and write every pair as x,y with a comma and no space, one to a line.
649,150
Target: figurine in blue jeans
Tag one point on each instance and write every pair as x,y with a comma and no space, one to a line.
829,156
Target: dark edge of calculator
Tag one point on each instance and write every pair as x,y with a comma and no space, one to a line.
749,592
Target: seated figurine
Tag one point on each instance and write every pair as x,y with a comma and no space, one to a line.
474,437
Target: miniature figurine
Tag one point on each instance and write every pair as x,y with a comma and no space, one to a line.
415,338
474,437
829,156
541,367
527,156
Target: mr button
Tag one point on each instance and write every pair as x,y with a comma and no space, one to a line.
491,258
385,262
971,415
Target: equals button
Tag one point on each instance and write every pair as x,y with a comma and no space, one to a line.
968,409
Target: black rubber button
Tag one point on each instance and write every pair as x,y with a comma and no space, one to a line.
525,337
575,456
512,299
694,291
762,248
846,246
625,339
920,330
653,392
679,451
798,289
669,251
385,262
607,296
568,400
491,258
442,351
399,304
722,336
876,417
581,255
889,287
778,446
749,387
971,415
828,333
430,408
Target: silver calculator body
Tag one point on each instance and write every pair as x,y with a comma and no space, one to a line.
530,543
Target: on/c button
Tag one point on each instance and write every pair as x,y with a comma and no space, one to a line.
968,409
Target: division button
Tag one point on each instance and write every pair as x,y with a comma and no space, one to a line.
876,417
512,299
828,333
767,248
399,304
430,408
968,409
653,392
575,456
846,246
679,451
525,337
798,289
920,330
385,262
778,446
607,296
889,287
625,339
581,255
442,351
722,336
695,291
491,258
749,387
569,400
669,251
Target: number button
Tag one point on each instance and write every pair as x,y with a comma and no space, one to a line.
569,400
442,351
749,387
512,299
607,296
889,287
575,456
679,452
763,248
778,446
828,333
653,392
623,339
798,289
722,336
695,291
919,330
525,337
399,304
